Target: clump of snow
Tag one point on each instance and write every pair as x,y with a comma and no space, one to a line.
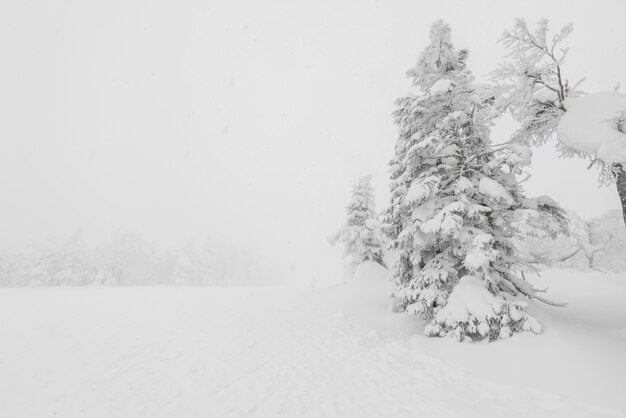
441,86
447,150
425,210
546,95
447,221
518,154
481,252
417,191
473,312
536,202
422,188
590,126
463,184
469,299
494,189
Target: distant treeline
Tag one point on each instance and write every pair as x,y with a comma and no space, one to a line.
129,260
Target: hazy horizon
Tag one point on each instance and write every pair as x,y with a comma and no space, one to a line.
247,121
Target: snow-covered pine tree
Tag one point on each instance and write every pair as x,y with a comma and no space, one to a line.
456,204
362,234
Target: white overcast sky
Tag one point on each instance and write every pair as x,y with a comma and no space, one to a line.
249,120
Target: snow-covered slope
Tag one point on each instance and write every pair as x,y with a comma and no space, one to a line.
297,352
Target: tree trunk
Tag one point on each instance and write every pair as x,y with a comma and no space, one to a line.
620,183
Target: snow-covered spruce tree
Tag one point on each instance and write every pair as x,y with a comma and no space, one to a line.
532,87
456,205
362,234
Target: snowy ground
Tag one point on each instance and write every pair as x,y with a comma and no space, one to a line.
293,352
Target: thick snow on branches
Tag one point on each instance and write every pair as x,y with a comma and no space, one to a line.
361,235
473,310
594,124
456,205
531,86
441,86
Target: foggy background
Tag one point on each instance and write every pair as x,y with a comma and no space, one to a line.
242,120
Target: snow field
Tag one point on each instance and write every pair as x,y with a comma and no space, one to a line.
283,351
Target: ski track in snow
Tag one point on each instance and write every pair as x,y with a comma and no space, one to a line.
202,352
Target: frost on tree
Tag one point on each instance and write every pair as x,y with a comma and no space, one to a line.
456,205
532,87
599,243
361,235
530,83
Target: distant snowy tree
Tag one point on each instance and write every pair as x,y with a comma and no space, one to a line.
127,259
532,87
457,204
51,263
362,234
608,233
69,264
598,243
193,264
588,238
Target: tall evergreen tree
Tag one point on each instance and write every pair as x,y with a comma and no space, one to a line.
361,235
456,204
